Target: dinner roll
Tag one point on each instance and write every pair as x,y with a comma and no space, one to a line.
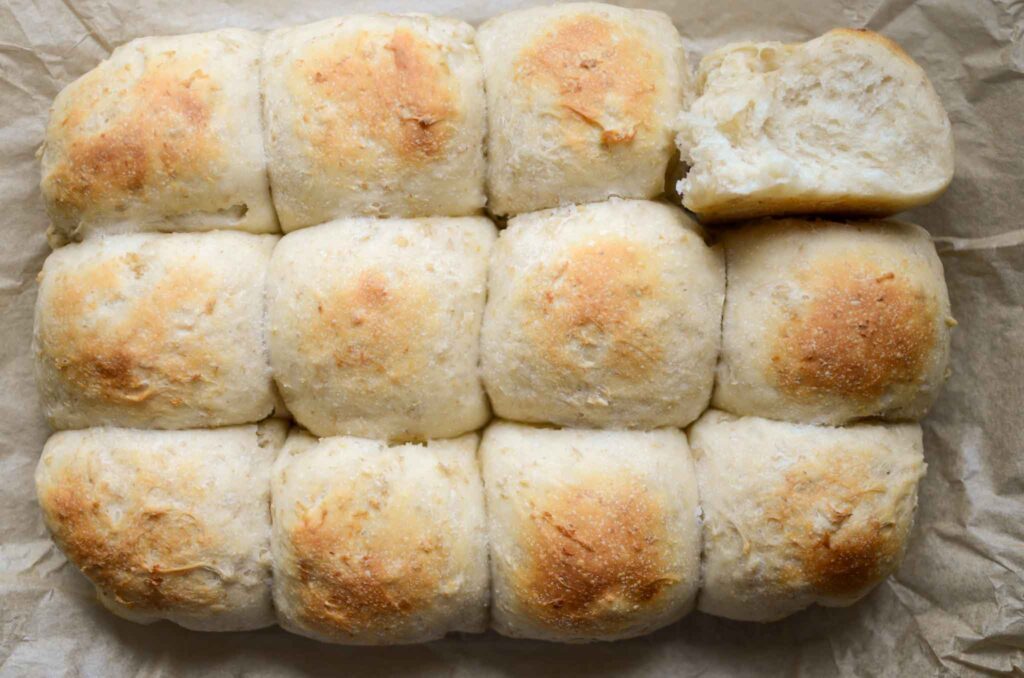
595,535
797,514
603,315
582,99
167,524
374,115
378,545
154,331
827,322
374,326
844,124
165,135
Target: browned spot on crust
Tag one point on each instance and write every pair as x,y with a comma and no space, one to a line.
837,554
590,309
138,357
849,561
605,76
156,132
373,330
356,577
149,560
596,555
362,95
863,331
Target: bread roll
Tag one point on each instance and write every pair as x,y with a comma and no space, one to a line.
167,524
797,514
827,322
595,535
154,331
374,115
603,315
379,545
165,135
374,326
581,103
844,124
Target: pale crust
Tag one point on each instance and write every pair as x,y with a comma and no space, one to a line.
374,326
850,205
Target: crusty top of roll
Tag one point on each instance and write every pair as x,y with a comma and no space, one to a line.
795,514
374,325
369,546
154,330
827,322
596,549
166,524
582,100
605,314
164,135
374,115
594,534
397,93
598,74
861,330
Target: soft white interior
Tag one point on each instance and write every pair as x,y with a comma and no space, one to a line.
840,116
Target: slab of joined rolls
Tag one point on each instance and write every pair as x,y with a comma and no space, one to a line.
391,310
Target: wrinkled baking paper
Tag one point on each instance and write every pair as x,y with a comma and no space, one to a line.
957,604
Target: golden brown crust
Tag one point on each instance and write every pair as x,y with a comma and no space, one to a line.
596,551
359,94
376,327
604,74
748,207
589,309
355,577
152,559
836,553
137,358
863,330
104,165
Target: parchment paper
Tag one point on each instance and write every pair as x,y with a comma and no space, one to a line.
956,606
